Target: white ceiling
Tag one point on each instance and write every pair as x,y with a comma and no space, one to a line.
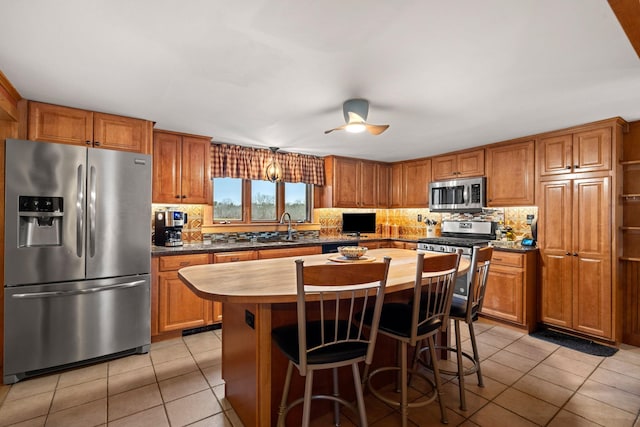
445,75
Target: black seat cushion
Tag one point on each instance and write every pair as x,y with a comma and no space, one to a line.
396,319
286,338
459,310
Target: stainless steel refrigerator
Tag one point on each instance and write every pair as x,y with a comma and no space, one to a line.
77,256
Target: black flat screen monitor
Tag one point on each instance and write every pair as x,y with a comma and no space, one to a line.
358,223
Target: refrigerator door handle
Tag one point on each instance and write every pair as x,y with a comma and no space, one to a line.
92,211
51,294
80,212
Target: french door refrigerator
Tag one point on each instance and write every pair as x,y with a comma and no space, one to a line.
77,256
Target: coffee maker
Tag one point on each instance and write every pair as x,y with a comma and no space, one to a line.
168,227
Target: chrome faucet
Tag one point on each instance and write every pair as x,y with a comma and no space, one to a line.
289,229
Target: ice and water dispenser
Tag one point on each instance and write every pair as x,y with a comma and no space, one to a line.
40,221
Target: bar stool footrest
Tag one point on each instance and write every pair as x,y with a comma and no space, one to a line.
471,370
396,403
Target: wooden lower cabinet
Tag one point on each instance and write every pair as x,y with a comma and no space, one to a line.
178,307
234,256
402,245
285,252
511,288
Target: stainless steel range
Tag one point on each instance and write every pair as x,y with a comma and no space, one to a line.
460,235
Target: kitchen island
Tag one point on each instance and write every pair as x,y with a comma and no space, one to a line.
260,295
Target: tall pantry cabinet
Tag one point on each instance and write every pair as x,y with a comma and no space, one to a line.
578,200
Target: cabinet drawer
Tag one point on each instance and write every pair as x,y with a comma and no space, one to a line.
508,258
235,256
281,253
176,262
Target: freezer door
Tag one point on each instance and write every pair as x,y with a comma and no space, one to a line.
40,245
118,213
49,326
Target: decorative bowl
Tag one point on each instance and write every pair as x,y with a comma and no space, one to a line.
352,252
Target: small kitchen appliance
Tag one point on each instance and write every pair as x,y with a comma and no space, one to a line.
458,195
460,235
168,227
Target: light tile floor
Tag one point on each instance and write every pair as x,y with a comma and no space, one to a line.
528,382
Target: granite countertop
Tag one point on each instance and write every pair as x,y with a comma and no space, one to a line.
193,248
508,246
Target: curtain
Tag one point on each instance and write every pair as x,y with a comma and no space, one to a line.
235,161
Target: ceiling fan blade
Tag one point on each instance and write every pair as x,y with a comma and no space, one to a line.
338,128
376,129
355,118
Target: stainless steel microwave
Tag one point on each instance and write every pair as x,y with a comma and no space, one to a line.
458,195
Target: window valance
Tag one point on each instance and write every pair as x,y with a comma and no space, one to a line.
235,161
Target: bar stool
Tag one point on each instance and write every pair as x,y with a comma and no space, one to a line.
408,324
338,337
466,310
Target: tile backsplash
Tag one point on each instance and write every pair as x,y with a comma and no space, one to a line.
393,223
403,223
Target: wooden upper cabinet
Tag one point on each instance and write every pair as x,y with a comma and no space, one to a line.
55,123
586,151
592,150
384,185
368,185
167,167
415,183
181,168
396,186
510,174
460,165
121,133
351,183
196,170
346,182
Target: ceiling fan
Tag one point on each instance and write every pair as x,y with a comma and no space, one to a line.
355,114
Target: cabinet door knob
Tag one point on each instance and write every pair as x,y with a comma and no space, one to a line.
576,167
88,142
97,143
184,197
575,254
568,167
177,196
568,253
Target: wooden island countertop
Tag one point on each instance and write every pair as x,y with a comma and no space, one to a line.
274,280
258,296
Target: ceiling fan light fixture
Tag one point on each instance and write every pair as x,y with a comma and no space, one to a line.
355,113
273,171
355,127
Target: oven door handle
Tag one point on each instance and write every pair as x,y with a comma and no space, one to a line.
51,294
465,195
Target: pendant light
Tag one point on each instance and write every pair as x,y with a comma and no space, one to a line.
273,171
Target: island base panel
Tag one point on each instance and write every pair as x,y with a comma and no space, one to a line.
246,359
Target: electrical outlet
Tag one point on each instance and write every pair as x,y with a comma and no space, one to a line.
530,219
250,319
419,218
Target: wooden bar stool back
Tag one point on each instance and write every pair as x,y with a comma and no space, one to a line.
329,332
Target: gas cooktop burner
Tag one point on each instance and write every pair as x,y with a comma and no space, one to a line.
455,241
